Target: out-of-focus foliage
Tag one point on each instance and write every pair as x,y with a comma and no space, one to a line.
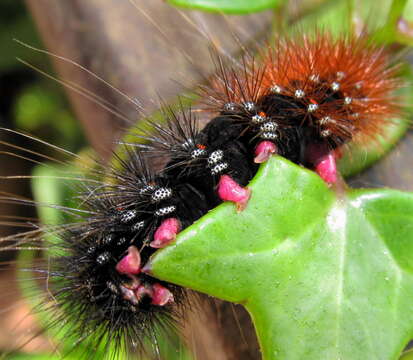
15,23
41,108
31,103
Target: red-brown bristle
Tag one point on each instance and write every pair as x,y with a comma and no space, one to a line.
234,84
315,65
362,71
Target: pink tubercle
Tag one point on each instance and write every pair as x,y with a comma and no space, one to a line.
264,150
135,292
144,290
229,190
324,161
161,296
327,168
130,264
165,233
129,295
405,27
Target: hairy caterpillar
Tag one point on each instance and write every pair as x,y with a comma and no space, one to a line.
245,104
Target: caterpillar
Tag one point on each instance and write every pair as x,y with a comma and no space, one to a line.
304,98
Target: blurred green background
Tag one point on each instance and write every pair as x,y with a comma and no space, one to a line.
29,101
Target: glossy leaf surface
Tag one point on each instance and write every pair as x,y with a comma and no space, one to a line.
228,6
324,274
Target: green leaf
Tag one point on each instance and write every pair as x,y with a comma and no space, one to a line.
324,274
228,6
408,355
358,157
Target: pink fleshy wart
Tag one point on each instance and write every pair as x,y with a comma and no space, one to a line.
264,151
143,290
165,233
130,264
324,161
129,295
327,168
161,296
229,190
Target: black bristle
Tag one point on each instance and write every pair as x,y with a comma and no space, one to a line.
174,174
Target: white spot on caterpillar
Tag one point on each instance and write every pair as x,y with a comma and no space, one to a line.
161,194
325,133
215,157
340,75
146,189
219,168
275,89
230,107
325,120
198,153
335,86
269,136
314,78
165,210
103,258
121,241
127,216
108,239
268,126
258,119
138,226
312,107
299,93
249,106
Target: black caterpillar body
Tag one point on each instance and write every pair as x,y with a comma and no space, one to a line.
87,285
104,304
